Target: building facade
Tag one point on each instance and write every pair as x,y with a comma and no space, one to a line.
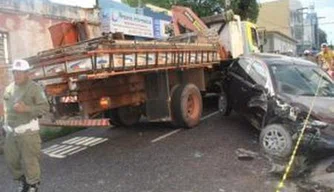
282,20
278,42
24,25
24,29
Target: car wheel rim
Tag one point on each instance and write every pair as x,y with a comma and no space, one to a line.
274,142
222,104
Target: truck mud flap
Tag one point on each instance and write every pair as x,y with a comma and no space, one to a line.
78,123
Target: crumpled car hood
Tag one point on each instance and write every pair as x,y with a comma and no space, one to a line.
323,107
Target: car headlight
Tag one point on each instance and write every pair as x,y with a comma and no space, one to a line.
317,124
293,113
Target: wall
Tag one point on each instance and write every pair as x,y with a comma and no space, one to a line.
269,45
5,79
275,16
27,22
279,43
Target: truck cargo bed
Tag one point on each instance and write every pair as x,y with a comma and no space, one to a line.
103,57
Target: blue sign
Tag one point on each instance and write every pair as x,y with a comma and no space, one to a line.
157,29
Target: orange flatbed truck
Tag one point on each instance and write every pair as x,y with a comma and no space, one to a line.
105,81
109,80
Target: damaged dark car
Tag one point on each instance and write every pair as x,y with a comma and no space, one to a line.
275,94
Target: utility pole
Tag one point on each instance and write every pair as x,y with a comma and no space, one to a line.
301,11
227,4
318,31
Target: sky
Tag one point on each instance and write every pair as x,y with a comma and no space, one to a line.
324,8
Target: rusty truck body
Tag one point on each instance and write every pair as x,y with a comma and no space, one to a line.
105,81
109,80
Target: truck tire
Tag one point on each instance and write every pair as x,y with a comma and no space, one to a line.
113,117
186,106
128,116
224,105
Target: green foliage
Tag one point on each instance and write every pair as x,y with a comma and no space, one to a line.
247,9
322,37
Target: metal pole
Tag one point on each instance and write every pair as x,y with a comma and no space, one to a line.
302,31
318,32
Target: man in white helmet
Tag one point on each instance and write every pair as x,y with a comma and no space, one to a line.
308,56
24,103
326,57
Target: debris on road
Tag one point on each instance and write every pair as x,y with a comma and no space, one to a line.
307,186
198,154
320,174
246,155
330,168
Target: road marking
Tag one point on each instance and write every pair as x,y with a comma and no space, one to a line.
92,141
70,140
72,146
50,150
165,136
56,156
77,151
77,140
85,140
61,150
70,150
103,140
210,115
176,131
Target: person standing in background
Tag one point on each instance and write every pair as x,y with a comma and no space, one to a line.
24,103
326,57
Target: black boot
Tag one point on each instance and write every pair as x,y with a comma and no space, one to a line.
330,169
33,188
23,185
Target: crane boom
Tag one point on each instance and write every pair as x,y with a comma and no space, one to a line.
185,19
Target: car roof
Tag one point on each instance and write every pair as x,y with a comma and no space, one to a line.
276,59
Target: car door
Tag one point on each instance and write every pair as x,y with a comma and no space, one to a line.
239,86
256,101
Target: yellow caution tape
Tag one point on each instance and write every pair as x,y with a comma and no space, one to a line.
300,138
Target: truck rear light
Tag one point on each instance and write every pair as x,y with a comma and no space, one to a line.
105,102
69,99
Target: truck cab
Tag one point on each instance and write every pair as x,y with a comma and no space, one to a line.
238,37
250,37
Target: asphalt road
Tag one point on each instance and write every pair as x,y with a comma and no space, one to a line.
144,159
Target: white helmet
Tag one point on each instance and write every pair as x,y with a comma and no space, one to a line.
324,45
306,52
20,65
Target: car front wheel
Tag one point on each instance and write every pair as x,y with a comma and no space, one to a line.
276,141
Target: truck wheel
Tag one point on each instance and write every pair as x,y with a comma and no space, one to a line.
128,116
187,106
276,141
223,104
113,117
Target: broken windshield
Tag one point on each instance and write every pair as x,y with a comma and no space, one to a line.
302,80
